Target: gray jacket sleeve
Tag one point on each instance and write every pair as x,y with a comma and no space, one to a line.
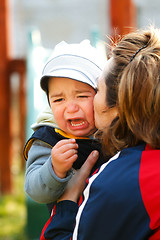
41,183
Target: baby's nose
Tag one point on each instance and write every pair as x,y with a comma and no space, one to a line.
72,107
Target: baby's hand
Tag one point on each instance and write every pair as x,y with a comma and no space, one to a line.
63,155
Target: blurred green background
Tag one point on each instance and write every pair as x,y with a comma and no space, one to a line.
13,212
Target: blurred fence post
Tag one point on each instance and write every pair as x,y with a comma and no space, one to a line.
5,137
122,17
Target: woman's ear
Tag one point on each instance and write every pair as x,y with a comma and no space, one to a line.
115,112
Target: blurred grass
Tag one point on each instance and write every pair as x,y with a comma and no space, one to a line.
13,211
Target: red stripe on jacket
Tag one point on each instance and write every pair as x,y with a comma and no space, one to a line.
149,178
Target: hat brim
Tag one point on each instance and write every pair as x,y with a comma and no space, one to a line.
67,73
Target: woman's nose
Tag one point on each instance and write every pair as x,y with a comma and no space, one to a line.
72,107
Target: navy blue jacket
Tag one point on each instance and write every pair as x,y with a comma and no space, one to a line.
121,202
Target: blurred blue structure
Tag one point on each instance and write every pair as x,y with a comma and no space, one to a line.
95,35
36,99
37,214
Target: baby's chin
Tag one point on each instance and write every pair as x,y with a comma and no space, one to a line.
86,134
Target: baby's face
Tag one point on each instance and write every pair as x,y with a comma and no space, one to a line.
72,106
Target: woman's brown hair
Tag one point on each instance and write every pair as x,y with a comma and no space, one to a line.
133,85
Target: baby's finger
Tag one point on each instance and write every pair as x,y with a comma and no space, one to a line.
72,159
68,146
68,154
65,141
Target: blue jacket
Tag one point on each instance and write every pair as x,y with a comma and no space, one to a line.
40,178
121,201
51,137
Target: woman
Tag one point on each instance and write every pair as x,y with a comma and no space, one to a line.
122,200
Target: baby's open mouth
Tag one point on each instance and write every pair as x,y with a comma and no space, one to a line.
77,122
